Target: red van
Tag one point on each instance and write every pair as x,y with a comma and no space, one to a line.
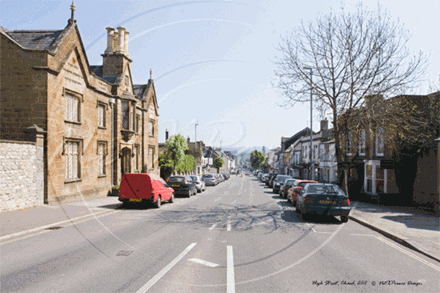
144,188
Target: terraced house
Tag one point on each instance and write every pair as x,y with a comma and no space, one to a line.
97,124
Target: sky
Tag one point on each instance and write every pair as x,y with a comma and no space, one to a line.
213,61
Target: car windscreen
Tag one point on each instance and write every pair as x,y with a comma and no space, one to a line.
177,179
290,182
194,178
208,176
302,184
281,179
324,189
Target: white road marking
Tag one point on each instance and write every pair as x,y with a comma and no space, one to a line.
160,274
204,262
228,227
313,230
408,253
230,271
212,227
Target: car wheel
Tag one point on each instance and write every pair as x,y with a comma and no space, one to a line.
189,193
344,219
199,190
172,198
303,215
158,202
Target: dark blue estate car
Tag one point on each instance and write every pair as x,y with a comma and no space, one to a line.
183,185
324,199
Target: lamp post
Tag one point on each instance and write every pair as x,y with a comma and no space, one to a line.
195,126
311,125
195,148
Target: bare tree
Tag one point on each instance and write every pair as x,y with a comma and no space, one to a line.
352,55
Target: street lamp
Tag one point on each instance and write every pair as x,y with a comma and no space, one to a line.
195,147
311,124
195,126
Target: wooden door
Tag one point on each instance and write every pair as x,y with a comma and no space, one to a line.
125,161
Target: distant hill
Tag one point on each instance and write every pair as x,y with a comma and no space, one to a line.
242,150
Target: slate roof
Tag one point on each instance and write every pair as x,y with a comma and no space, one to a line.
290,140
34,40
97,69
139,90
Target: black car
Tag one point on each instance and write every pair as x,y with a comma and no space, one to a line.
183,185
324,199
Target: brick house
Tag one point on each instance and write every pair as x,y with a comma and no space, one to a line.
98,124
369,152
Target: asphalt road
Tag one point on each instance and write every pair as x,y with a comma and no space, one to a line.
235,237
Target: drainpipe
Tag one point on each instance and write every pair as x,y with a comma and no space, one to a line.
113,112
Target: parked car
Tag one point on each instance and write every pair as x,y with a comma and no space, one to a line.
200,185
271,179
324,199
279,181
210,179
264,178
144,188
286,186
295,189
220,178
183,185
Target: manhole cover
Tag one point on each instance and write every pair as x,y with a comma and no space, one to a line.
54,228
124,253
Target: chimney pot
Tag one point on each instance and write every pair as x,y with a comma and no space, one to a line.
126,43
110,40
121,40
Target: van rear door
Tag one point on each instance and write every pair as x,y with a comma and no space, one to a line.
135,186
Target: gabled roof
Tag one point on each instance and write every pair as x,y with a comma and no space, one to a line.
141,91
36,39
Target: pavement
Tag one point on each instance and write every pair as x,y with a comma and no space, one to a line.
411,227
22,222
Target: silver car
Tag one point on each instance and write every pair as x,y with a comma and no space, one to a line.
210,179
200,184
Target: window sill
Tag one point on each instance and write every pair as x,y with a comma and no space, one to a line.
379,155
102,127
73,122
72,180
102,176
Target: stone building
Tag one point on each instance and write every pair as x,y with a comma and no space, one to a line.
98,124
